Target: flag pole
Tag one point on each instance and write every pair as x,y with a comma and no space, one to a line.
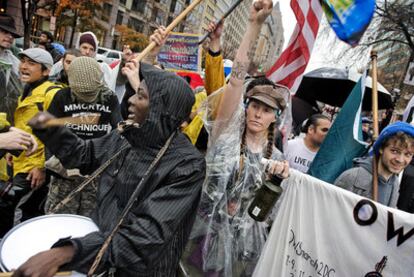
169,28
374,57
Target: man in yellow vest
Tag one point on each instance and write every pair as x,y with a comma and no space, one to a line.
214,79
28,171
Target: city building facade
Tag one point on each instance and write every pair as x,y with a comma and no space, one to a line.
269,44
145,16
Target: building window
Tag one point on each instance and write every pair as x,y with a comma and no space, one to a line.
172,5
160,17
122,2
138,5
136,24
178,8
106,12
3,6
210,11
119,18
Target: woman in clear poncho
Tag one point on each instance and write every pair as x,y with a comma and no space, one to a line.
225,240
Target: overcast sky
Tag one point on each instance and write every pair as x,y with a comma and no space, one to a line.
288,18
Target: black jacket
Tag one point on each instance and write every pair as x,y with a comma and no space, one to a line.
152,238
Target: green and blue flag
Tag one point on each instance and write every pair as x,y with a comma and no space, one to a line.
344,140
349,18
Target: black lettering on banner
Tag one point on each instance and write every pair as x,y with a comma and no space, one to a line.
391,232
321,268
370,220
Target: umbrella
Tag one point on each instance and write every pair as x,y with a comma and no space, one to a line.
194,78
333,85
301,110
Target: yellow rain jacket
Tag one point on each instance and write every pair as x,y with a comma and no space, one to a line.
214,80
3,165
40,99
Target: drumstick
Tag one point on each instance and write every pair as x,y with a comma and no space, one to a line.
84,119
169,28
63,273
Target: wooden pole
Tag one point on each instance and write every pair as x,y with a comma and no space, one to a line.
63,273
83,119
375,123
170,27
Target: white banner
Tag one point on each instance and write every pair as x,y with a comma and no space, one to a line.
322,230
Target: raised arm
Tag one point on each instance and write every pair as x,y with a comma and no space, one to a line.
72,151
160,37
233,92
214,60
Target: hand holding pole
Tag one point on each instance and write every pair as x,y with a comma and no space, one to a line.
229,11
170,27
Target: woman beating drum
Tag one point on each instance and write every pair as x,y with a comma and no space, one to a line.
225,240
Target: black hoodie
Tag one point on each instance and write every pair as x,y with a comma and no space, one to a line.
152,238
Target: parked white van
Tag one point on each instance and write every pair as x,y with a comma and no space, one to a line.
108,55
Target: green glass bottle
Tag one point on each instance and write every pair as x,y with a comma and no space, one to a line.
265,198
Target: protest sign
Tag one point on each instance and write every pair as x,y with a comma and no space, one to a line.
322,230
181,52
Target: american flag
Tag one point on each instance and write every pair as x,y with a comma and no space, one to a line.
289,67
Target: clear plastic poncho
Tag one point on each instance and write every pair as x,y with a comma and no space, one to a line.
10,90
225,240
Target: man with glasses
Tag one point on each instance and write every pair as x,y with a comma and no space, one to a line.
301,151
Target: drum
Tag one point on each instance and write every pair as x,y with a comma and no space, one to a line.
39,234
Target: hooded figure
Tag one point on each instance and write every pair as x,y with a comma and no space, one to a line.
154,233
90,38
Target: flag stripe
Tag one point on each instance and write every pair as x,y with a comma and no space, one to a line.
289,67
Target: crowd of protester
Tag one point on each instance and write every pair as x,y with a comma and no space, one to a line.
179,166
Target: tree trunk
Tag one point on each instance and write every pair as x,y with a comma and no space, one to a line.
27,15
75,20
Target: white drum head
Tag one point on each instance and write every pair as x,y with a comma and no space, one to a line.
39,234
